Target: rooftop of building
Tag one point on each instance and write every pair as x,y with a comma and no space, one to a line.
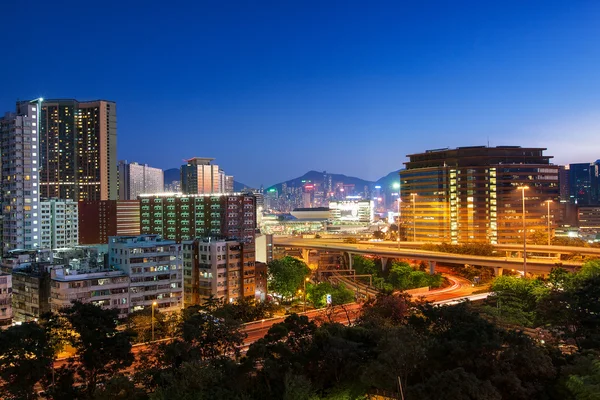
68,275
44,100
200,160
140,240
183,195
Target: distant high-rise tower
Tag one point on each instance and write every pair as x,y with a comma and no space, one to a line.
136,179
229,184
78,150
199,176
19,147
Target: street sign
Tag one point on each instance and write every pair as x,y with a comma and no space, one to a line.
328,299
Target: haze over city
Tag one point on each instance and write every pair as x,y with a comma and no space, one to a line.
346,87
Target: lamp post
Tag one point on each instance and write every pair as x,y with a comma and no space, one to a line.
413,195
305,280
154,304
396,185
523,188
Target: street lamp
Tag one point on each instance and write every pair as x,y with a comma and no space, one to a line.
523,188
414,214
305,280
154,304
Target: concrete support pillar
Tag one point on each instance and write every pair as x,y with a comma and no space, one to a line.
432,267
384,261
350,260
305,254
498,271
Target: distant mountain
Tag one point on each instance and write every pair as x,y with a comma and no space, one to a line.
316,176
388,181
173,174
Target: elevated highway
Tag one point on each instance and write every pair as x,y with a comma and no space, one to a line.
535,266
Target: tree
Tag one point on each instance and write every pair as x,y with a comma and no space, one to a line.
317,294
245,310
286,276
26,356
514,299
455,384
364,266
210,337
102,351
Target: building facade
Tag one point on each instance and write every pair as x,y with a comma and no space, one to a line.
583,183
5,299
20,147
471,194
154,267
106,289
59,224
351,211
135,179
78,150
31,291
200,176
185,217
99,220
220,268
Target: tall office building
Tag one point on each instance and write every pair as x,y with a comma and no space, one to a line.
78,150
470,194
584,183
185,217
199,176
59,224
135,179
229,184
19,149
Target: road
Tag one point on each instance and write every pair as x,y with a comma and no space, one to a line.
538,266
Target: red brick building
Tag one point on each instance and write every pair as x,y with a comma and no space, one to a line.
100,219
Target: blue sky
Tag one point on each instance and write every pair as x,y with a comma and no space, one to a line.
273,89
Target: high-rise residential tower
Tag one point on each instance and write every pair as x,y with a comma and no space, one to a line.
136,179
19,149
199,176
78,150
471,194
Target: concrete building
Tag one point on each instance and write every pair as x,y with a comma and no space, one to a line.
588,218
99,220
471,194
584,182
154,267
260,280
199,176
20,148
229,184
104,288
59,223
351,211
6,313
185,217
220,268
78,150
135,179
264,248
31,291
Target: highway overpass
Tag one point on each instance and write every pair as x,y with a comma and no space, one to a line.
535,266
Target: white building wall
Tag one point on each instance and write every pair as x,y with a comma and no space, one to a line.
59,223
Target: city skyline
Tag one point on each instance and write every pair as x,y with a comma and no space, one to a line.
342,88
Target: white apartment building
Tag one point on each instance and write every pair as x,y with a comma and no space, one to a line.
5,299
107,289
19,141
154,267
136,179
59,224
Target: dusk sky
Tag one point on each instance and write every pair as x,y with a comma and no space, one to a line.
274,89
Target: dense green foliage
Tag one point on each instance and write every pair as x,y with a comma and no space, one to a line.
317,293
286,276
399,276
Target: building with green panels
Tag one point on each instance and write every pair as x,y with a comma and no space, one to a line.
185,217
